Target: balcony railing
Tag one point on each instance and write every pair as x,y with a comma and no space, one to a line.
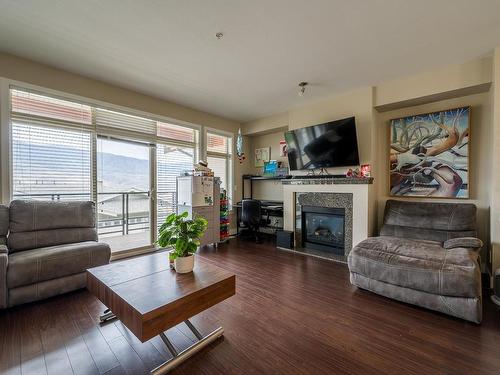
119,213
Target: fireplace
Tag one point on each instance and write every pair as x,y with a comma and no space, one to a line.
323,228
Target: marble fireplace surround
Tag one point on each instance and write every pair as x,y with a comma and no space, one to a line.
355,196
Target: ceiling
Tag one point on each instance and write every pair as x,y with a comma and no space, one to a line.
168,48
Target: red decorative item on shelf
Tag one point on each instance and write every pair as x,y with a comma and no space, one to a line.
366,170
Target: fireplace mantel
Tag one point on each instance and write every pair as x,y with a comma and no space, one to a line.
296,180
363,208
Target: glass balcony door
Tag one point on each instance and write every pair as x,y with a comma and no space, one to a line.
124,193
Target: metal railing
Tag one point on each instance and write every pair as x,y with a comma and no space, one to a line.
119,212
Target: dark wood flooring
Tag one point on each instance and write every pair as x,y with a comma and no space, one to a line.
291,315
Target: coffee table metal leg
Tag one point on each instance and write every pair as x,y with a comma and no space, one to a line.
178,358
107,315
193,329
169,345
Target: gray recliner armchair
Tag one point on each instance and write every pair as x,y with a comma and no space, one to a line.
45,248
427,254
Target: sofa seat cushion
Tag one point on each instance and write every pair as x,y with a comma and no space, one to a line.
47,263
418,264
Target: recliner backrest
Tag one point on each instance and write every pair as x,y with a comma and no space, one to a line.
4,223
35,224
429,220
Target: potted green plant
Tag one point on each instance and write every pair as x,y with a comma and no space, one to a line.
183,235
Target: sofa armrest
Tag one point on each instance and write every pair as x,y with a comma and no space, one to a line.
4,259
463,242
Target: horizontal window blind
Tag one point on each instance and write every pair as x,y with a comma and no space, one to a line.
50,164
171,161
51,147
220,168
176,132
217,143
35,108
116,122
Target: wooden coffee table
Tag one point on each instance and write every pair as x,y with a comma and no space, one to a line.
149,298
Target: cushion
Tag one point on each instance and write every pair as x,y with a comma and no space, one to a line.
430,215
52,237
32,266
4,222
35,224
418,264
467,242
26,216
429,220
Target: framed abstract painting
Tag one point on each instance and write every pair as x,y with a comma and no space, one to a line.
429,155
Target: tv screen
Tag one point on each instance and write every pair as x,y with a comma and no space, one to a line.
332,144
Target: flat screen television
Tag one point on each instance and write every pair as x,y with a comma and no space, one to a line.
332,144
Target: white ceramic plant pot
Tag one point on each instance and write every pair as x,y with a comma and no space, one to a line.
184,264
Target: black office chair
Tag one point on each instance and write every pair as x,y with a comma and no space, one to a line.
251,216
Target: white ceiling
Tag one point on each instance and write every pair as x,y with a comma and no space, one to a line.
168,48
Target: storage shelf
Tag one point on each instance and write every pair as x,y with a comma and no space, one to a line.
252,177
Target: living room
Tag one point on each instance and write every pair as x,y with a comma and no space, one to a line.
249,187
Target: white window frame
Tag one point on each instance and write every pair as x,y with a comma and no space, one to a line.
5,126
229,157
6,180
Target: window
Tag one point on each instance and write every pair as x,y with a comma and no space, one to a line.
171,161
51,148
64,149
219,152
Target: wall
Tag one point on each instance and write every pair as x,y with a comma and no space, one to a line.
26,71
447,87
358,103
495,159
480,158
270,190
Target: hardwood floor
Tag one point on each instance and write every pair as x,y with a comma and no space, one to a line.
291,315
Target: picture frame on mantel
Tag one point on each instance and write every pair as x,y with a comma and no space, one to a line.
262,155
429,155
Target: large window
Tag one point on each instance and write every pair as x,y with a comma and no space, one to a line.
51,148
128,164
219,159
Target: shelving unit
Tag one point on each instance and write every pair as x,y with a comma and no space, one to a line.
224,216
251,178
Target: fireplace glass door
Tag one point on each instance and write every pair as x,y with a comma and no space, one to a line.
323,229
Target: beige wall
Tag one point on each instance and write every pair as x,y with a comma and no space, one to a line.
448,87
495,159
270,190
438,82
26,71
480,158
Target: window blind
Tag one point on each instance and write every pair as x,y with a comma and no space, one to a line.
171,161
49,164
51,147
220,168
35,108
218,143
219,159
111,122
176,132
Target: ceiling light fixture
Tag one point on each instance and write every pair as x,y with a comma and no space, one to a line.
302,88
